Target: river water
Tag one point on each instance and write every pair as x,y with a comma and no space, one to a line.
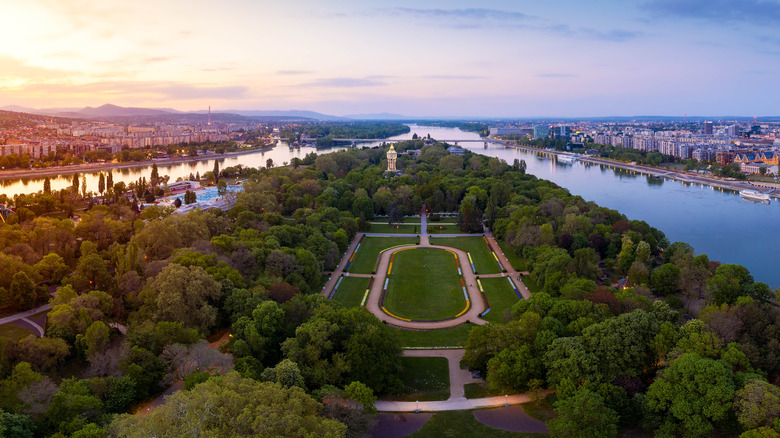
717,223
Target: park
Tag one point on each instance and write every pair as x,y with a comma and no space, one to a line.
431,291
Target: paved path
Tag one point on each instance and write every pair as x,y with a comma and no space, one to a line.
25,314
335,275
510,271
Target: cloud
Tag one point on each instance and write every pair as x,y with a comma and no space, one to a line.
454,77
16,68
158,59
480,18
557,75
753,12
293,72
161,90
463,14
372,81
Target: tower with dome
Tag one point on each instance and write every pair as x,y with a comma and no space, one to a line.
391,157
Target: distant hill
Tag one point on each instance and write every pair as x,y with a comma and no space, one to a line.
289,113
380,116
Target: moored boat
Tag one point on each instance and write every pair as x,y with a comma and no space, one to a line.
754,195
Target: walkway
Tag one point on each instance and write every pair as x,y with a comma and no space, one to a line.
510,271
25,320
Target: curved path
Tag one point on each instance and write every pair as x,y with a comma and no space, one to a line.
476,307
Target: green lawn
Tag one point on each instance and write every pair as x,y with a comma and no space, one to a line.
437,228
543,410
13,332
450,337
407,220
461,424
424,285
394,229
351,290
529,282
500,295
365,258
476,246
517,262
479,390
425,379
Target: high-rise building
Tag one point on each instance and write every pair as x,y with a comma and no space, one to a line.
541,131
707,128
733,131
564,131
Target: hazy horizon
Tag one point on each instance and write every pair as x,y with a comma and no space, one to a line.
491,59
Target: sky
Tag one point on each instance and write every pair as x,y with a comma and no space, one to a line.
419,58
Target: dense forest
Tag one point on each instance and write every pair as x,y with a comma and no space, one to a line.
326,132
632,331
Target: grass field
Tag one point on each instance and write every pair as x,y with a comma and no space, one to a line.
13,332
517,262
529,282
394,229
501,297
365,258
351,290
424,285
462,424
476,246
450,337
437,228
479,390
425,379
407,220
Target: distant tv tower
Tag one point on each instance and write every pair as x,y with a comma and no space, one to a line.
209,115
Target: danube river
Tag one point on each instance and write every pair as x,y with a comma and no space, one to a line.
717,223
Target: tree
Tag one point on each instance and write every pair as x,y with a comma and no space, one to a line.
693,393
269,163
288,374
757,404
665,279
394,214
96,338
186,295
75,183
216,171
16,425
513,369
729,282
110,179
362,394
47,185
154,179
583,415
231,405
101,183
365,206
23,291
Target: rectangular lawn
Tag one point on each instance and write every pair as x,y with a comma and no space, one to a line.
351,290
384,228
449,337
476,246
500,295
365,258
424,379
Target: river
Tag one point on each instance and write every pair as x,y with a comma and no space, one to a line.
717,223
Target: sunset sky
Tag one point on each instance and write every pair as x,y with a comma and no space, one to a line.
418,58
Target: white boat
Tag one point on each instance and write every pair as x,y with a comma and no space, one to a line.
567,159
754,195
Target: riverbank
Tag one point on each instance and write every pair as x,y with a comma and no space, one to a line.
101,167
656,172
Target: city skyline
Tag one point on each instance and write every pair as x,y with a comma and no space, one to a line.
453,59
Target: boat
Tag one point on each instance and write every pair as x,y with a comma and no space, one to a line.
566,159
754,195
